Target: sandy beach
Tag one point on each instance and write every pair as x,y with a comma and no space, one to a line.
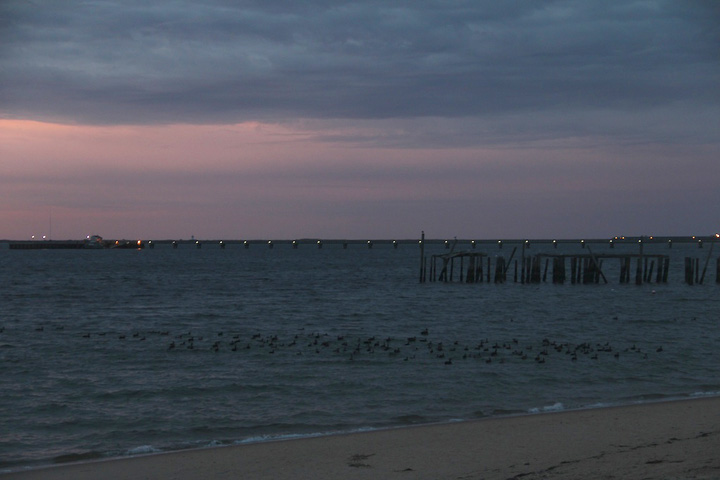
669,440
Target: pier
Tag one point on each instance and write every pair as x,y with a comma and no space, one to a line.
497,261
469,266
583,268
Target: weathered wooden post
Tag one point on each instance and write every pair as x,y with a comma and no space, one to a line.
628,268
707,260
689,270
639,272
422,254
470,276
579,270
535,271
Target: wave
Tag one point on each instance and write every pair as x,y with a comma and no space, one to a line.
555,407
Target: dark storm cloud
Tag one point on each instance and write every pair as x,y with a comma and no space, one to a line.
220,61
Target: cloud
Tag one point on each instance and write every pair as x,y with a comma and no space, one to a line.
213,61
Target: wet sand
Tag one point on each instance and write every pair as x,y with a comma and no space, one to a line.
669,440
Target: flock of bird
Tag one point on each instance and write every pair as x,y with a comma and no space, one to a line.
351,347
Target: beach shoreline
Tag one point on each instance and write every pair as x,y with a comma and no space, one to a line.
673,439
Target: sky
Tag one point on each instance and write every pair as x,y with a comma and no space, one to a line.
265,119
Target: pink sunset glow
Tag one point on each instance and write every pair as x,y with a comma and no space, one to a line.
250,141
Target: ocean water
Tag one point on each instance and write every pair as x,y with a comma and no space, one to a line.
120,352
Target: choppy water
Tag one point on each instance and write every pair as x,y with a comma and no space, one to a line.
117,352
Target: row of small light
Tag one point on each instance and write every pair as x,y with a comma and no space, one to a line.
473,243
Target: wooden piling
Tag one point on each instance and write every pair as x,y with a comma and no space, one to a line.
689,270
579,270
535,270
497,276
707,260
422,254
628,268
639,273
